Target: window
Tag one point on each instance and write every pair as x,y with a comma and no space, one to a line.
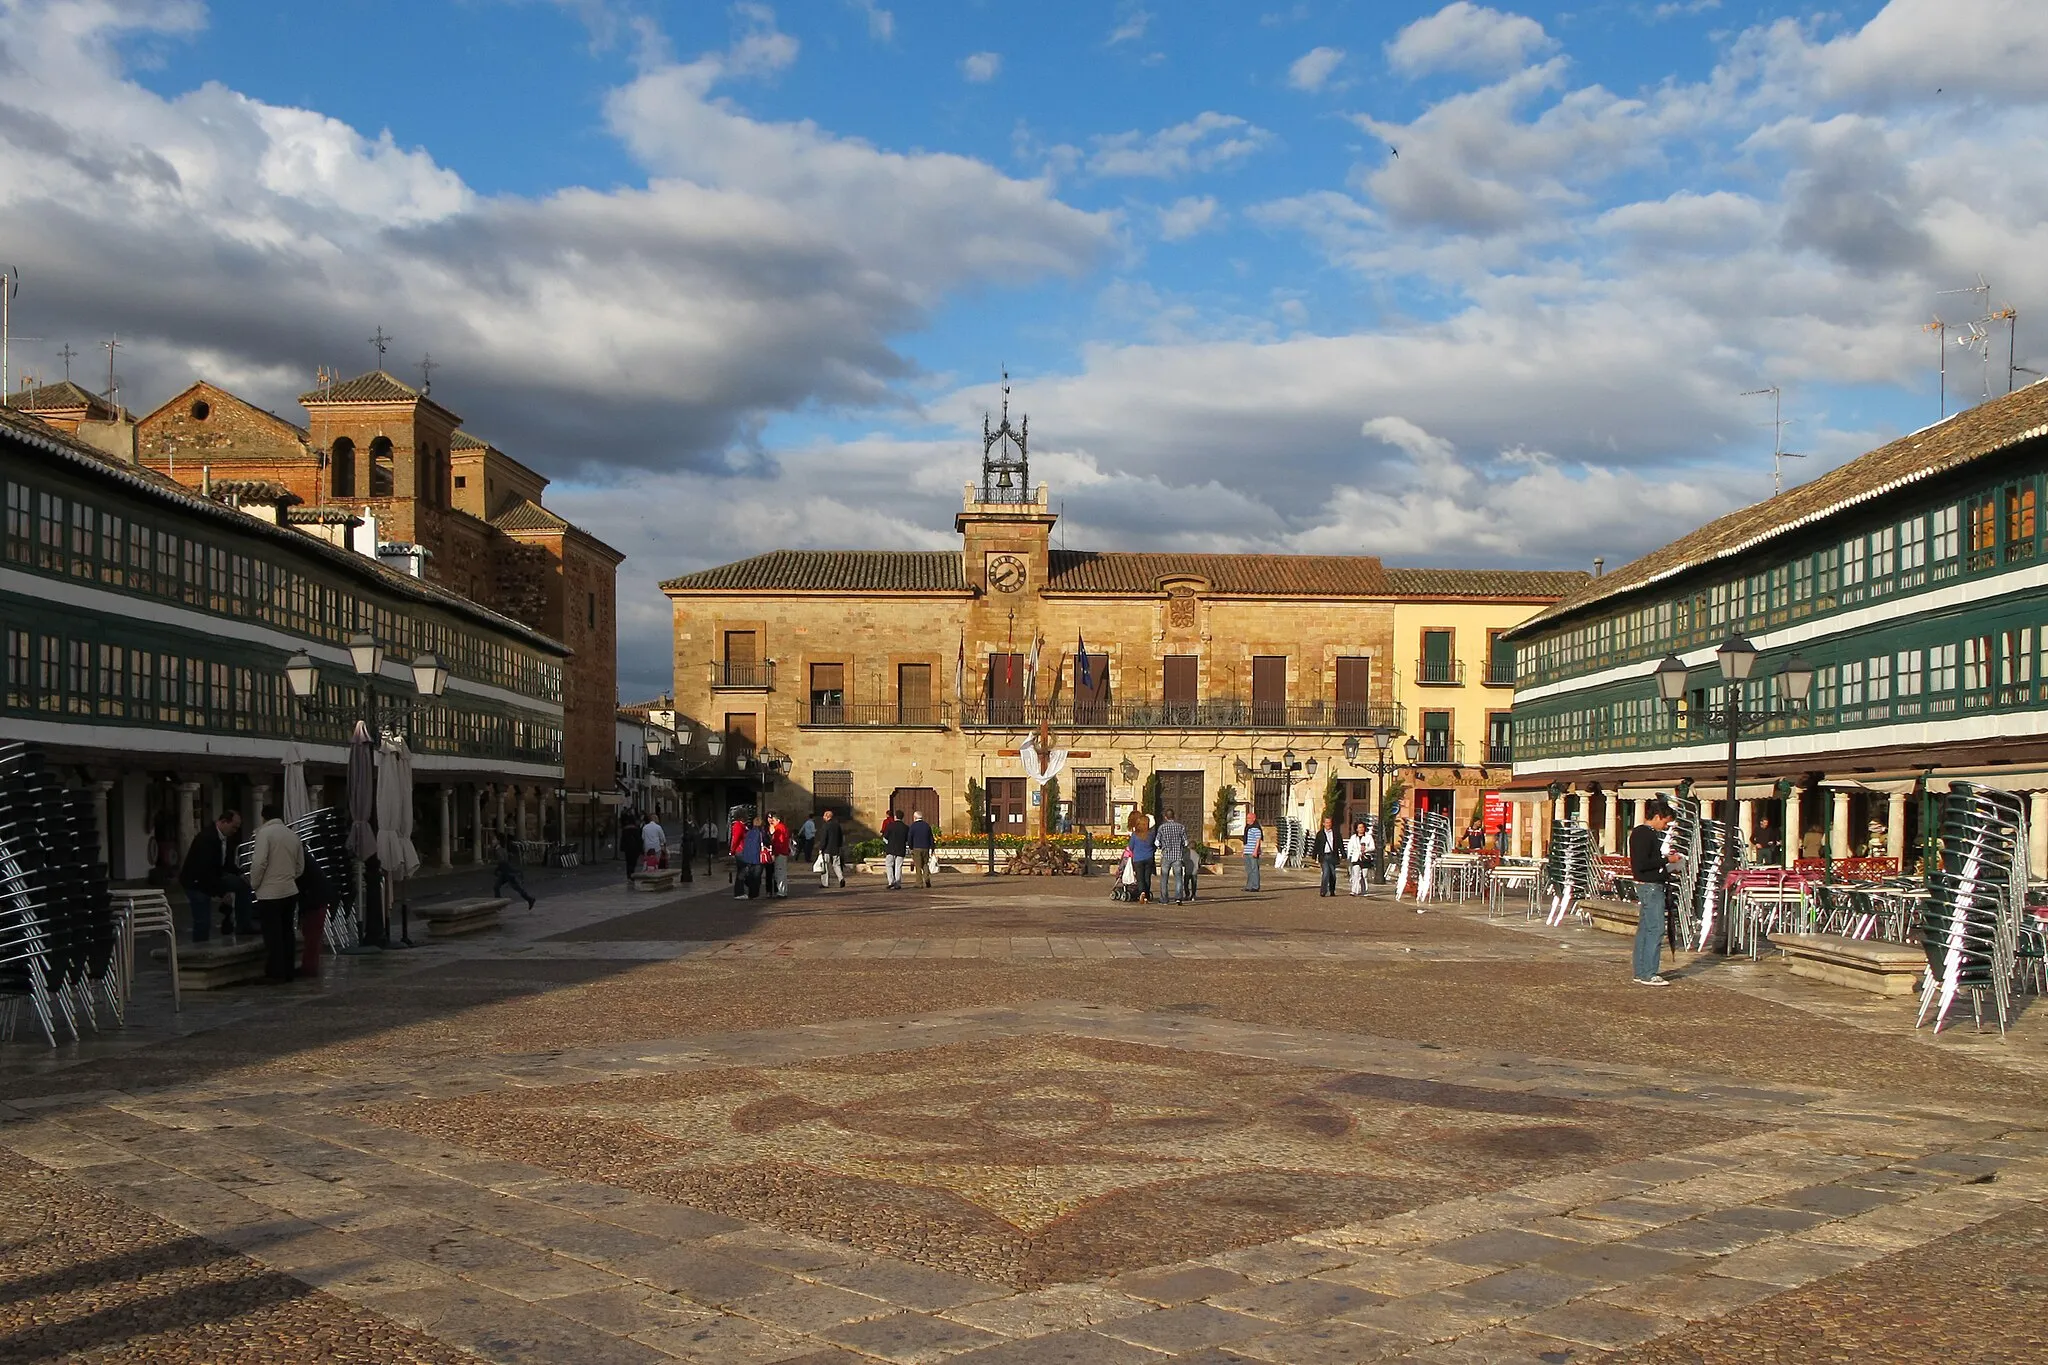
1852,563
1436,665
743,659
1852,684
1781,587
1941,668
1091,690
1983,531
1827,574
1091,796
1354,692
142,684
462,481
1759,596
832,789
195,574
341,463
1883,553
1802,581
20,532
1717,605
1908,675
113,549
1912,552
2015,665
2019,522
828,694
113,680
49,533
1977,663
914,694
1879,678
1500,741
20,686
81,541
1945,538
1436,737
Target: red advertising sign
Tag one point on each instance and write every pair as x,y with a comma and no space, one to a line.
1496,816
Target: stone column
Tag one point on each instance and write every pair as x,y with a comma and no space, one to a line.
519,812
188,815
99,792
259,796
1838,835
1895,827
2037,834
476,823
1611,824
1745,821
1511,841
447,825
1539,833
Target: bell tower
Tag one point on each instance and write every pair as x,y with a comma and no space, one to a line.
1005,523
1006,456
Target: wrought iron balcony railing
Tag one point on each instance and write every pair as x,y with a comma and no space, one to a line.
1440,672
728,673
1500,673
880,714
1213,714
1500,755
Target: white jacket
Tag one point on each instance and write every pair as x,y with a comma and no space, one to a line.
1359,848
278,860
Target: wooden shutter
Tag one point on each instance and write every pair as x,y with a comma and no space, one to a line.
1179,686
1500,660
1354,692
742,732
741,657
914,694
1181,793
1269,689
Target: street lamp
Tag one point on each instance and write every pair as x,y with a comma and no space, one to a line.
429,678
301,675
1737,660
1413,748
1383,741
366,654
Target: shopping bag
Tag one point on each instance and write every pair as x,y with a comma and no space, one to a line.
933,861
819,866
1130,873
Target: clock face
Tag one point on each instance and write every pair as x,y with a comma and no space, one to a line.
1005,573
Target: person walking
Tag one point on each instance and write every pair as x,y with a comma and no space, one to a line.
208,874
654,844
807,838
831,851
1651,868
631,843
1358,851
274,869
746,883
778,845
1170,848
895,845
506,872
1328,848
924,847
686,849
1141,853
1254,845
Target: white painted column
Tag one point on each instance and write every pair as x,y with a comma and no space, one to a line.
447,825
188,815
2037,834
1895,827
1745,822
259,795
1540,835
476,823
1611,825
1838,835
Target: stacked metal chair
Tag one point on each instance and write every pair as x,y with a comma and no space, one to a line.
1970,926
324,833
1567,869
58,933
1683,838
1434,834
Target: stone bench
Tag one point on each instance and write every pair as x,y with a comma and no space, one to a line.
446,919
1881,968
218,963
663,879
1615,917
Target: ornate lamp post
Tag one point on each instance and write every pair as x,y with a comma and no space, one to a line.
1737,660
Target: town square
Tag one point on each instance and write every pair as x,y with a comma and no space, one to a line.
897,683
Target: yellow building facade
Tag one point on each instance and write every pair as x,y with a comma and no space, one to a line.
873,681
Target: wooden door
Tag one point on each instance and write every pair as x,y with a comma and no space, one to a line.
1006,690
1006,808
742,734
916,801
1091,696
1181,793
1178,688
1354,692
1269,690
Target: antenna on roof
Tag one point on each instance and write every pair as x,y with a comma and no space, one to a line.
1778,424
1976,337
10,287
111,345
67,355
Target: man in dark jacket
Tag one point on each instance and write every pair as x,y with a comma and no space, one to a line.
895,846
630,847
1651,866
209,873
923,844
832,848
1327,848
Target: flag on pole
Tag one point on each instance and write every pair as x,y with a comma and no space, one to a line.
960,671
1082,679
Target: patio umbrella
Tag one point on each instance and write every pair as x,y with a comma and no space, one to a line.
394,811
297,804
362,782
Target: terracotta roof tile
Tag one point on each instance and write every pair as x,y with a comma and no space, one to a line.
1487,582
462,440
831,571
374,387
526,515
63,396
1253,575
1983,430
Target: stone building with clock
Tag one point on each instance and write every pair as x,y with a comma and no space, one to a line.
870,680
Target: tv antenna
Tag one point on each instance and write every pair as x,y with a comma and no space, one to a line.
10,288
1778,424
1973,338
67,355
110,345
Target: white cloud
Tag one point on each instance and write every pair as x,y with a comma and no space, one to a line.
1131,28
1207,142
1185,217
1986,49
1312,69
881,22
1466,37
981,67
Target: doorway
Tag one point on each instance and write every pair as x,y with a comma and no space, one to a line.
1006,805
916,801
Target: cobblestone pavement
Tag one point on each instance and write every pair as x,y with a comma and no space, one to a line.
1016,1124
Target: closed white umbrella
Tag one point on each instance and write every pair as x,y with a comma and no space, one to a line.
297,803
394,811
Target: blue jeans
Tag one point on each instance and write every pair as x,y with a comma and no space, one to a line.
202,903
1649,930
1251,871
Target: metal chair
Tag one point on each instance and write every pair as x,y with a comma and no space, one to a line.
139,912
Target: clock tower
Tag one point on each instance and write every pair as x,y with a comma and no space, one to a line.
1005,527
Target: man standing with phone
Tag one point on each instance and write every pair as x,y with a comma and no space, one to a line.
1651,868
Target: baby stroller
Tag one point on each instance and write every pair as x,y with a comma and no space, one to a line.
1124,885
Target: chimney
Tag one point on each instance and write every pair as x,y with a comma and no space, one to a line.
1599,566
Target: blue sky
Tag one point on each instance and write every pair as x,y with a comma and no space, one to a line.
740,276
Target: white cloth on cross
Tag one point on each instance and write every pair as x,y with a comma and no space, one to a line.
1040,768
